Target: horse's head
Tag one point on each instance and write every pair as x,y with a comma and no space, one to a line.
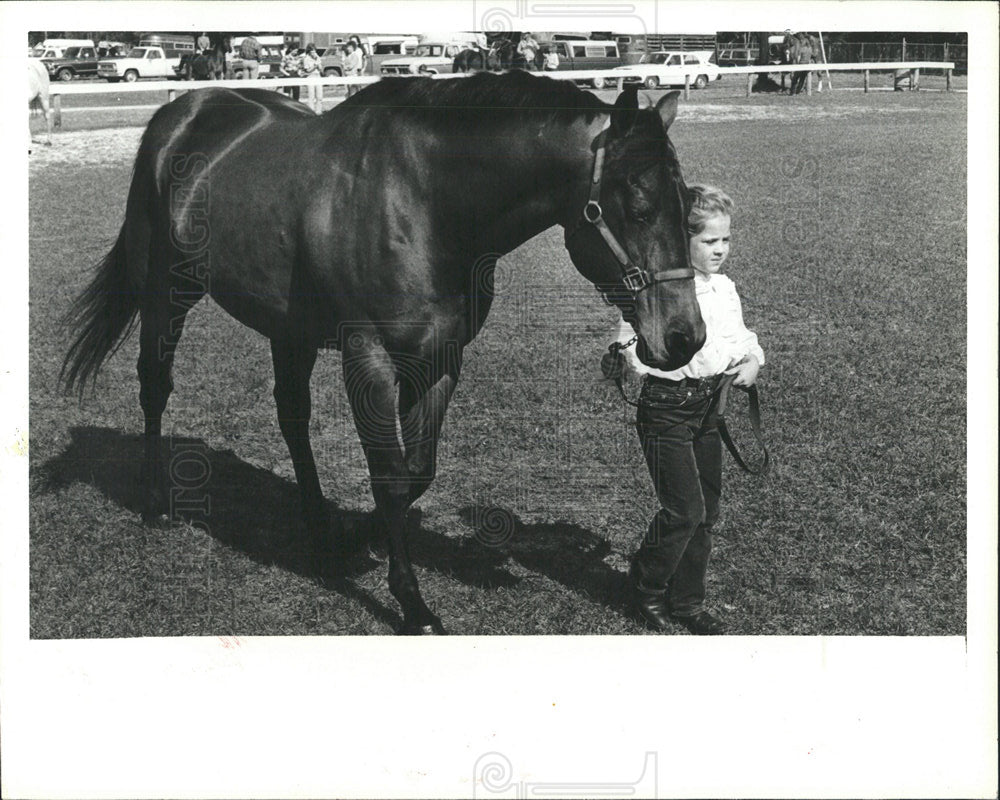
632,242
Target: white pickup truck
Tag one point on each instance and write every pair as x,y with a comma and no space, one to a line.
141,62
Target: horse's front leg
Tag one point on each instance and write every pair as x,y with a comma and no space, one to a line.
370,379
421,414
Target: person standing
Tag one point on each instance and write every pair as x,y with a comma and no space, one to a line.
551,62
365,55
250,55
291,65
677,423
312,67
528,48
352,66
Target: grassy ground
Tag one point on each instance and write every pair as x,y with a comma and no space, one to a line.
849,251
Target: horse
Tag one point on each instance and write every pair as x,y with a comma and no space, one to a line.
801,48
380,254
474,59
217,57
38,96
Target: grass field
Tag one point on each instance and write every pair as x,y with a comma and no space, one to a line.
850,253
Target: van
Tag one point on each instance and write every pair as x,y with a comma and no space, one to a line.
53,48
173,46
585,54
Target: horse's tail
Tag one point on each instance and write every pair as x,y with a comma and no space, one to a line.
105,314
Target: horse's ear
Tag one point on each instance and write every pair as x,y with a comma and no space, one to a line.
667,108
625,111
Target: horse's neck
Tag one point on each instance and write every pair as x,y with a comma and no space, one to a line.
543,182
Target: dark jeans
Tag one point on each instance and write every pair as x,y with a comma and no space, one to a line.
678,429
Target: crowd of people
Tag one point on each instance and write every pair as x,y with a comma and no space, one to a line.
296,62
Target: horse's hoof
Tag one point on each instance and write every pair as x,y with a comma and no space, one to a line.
426,628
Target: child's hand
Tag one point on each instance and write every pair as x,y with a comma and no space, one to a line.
745,371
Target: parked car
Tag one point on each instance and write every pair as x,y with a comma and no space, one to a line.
333,60
585,54
74,62
431,56
668,68
141,62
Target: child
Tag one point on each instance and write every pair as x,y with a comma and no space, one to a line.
677,426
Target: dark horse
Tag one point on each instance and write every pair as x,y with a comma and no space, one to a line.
217,57
471,60
381,253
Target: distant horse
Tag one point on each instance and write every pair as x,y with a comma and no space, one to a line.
38,96
217,57
475,60
378,250
801,48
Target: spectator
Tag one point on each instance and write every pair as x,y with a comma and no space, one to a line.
365,55
551,62
250,54
291,66
528,48
312,67
353,64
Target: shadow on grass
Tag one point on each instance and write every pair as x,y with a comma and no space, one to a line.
256,512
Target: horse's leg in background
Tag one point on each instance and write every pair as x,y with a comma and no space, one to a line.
293,366
43,98
370,379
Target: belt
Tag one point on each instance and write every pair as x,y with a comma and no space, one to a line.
688,383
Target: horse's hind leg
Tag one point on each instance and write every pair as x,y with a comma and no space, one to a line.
293,366
162,313
370,380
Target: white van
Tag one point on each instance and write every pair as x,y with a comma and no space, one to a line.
53,48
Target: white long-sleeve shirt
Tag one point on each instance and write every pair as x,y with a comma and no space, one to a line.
727,339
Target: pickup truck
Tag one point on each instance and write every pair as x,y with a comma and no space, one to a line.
141,62
75,61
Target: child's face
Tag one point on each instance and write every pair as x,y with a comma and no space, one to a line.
710,248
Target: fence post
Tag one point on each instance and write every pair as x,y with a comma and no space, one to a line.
947,80
862,56
915,80
868,75
171,95
809,83
749,82
57,111
687,87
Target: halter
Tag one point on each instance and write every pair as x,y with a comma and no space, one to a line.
634,277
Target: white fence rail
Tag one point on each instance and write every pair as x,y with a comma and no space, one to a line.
610,77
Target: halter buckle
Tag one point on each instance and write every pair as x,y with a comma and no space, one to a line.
592,212
634,279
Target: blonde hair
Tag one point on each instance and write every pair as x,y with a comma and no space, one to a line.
706,202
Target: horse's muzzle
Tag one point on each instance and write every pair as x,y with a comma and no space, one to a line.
681,347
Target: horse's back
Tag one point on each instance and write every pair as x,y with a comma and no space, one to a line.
207,123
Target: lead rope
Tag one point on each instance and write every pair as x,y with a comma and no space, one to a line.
720,401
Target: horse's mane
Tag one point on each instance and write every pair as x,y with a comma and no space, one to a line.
481,100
